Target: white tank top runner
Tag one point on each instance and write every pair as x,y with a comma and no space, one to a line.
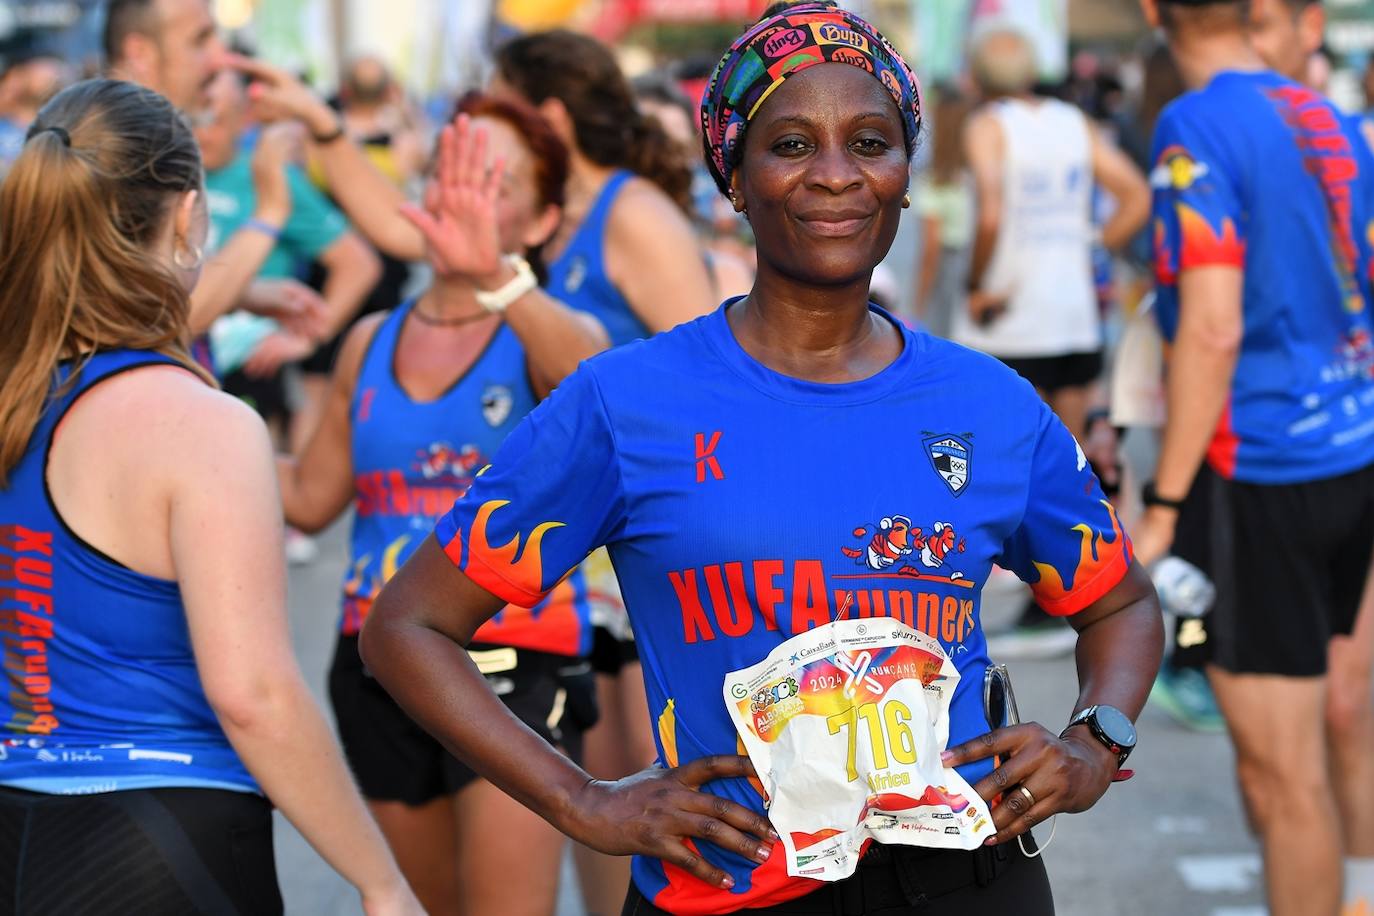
1042,261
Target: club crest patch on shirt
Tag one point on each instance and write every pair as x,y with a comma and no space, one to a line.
496,404
952,458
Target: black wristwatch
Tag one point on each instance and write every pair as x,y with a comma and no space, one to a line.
1150,497
1110,726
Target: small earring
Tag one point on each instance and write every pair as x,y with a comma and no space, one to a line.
197,257
906,200
734,202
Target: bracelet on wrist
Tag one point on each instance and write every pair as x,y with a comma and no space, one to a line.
329,137
1151,498
263,226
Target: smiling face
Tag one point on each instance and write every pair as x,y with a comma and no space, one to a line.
823,174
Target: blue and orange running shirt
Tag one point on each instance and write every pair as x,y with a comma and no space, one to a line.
412,459
102,690
742,507
1257,172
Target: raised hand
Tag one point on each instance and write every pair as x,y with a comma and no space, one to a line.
271,191
278,96
652,812
459,216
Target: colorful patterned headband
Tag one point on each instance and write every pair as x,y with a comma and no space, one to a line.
772,50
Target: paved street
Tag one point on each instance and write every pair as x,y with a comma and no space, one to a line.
1171,841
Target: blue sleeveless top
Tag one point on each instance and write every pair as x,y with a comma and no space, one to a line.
412,459
578,277
103,692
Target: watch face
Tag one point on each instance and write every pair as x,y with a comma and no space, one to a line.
1116,726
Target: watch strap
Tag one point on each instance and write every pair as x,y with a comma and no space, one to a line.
1150,497
496,301
1088,717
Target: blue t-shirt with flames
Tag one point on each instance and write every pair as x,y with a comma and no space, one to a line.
742,506
1257,172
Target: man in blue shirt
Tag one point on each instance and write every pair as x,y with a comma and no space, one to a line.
1264,196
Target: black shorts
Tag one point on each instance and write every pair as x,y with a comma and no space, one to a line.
146,851
394,759
1050,373
265,395
902,880
1289,562
610,653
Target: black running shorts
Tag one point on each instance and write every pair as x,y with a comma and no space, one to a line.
1050,373
145,851
917,881
1289,562
394,759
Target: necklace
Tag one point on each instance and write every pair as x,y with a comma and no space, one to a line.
447,322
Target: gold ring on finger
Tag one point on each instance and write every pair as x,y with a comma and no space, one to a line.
1030,799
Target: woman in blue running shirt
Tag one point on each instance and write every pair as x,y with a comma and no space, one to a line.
794,459
422,397
154,713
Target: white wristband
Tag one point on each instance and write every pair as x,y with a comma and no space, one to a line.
496,300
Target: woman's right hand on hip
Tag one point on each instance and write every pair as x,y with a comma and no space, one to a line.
654,811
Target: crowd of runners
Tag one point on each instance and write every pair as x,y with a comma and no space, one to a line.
622,397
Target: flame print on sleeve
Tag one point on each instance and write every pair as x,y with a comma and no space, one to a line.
1202,245
1102,561
497,569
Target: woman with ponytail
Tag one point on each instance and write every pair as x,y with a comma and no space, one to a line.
154,706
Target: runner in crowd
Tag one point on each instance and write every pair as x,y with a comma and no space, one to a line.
696,448
1262,198
1032,297
250,352
422,397
173,48
156,706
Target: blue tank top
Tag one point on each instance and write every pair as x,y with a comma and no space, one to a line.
412,459
103,692
578,277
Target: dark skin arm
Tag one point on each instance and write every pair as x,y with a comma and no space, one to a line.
1120,643
413,642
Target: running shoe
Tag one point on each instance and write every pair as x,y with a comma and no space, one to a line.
1187,697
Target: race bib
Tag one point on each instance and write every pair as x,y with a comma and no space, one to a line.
845,724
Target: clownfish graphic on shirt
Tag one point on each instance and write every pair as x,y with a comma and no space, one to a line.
919,553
